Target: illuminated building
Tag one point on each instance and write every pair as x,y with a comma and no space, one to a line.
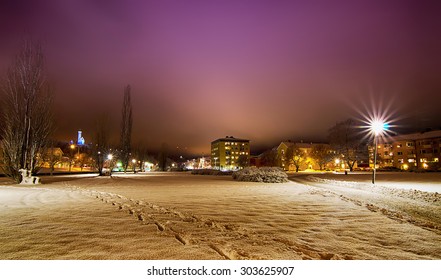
230,153
410,151
80,141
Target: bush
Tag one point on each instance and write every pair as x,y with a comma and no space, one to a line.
210,172
262,174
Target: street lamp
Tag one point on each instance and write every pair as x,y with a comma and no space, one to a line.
72,161
134,165
377,128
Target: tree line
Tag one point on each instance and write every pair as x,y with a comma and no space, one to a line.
28,122
345,143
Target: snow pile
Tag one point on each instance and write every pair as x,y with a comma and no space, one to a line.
262,174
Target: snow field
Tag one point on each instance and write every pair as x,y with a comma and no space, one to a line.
183,216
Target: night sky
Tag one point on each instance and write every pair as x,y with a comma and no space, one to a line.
261,70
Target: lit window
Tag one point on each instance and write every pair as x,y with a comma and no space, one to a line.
436,159
411,160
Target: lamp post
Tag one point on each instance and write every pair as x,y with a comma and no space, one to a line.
72,147
134,165
377,128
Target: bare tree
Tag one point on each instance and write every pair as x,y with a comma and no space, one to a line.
295,156
345,139
322,154
26,116
83,160
141,154
163,157
126,128
101,146
269,158
52,156
243,161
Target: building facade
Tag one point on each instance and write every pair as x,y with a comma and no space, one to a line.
230,153
409,151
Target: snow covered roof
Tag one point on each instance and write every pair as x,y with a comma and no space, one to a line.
418,136
230,139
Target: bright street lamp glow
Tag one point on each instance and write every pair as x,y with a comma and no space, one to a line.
378,126
109,156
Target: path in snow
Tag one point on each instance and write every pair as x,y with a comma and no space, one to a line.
180,216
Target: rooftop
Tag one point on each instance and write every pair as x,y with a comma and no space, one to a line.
230,139
417,136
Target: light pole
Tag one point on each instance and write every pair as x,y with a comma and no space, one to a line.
72,147
377,128
134,165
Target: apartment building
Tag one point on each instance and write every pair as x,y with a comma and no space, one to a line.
410,151
230,153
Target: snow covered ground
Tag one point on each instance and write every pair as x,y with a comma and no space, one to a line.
427,182
184,216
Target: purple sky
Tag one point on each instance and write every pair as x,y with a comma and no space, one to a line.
263,70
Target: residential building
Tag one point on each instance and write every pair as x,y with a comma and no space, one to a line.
230,153
409,151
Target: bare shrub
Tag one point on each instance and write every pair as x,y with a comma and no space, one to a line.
262,174
210,172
